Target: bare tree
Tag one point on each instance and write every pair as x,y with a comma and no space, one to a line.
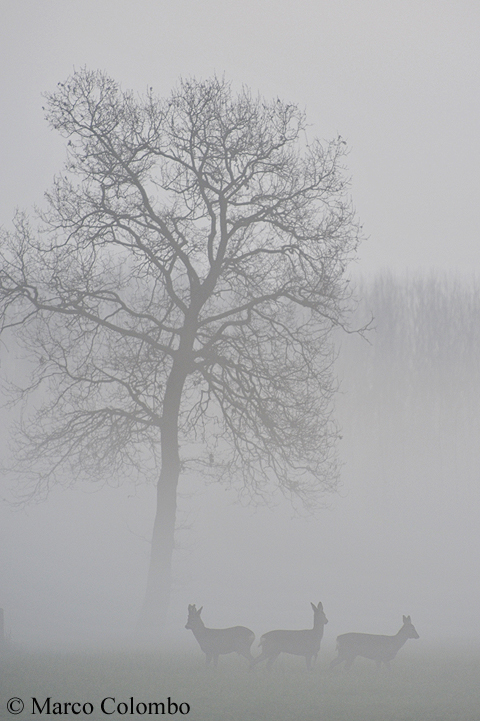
181,288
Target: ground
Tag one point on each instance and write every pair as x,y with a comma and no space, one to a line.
435,684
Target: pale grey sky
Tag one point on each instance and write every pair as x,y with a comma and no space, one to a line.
399,80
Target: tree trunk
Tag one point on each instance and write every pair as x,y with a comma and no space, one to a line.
2,631
157,597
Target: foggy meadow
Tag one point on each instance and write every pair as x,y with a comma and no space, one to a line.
392,549
399,537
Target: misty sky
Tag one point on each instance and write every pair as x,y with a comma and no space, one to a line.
399,81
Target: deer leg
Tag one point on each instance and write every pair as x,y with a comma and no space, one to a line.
256,660
270,660
246,654
336,661
349,662
313,661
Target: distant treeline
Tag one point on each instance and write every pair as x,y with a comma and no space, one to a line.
411,388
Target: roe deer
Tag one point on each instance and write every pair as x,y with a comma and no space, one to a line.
381,649
216,641
300,643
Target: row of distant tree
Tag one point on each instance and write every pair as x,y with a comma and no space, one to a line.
411,389
425,334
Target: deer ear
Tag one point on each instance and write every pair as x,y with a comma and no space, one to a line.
405,619
199,611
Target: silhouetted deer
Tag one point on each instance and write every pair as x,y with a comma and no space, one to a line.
300,643
381,649
217,641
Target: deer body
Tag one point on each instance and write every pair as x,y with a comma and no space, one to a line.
381,649
217,641
299,643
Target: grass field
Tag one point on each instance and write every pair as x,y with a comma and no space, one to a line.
442,684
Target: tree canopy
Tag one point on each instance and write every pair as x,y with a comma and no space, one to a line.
181,288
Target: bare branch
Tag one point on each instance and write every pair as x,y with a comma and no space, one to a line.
182,284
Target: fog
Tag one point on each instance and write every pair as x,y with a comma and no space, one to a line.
399,537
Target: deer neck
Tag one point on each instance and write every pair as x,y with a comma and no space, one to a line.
401,637
199,629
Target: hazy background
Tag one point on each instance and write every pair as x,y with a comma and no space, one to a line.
399,82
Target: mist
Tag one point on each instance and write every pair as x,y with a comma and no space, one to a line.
400,536
396,85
